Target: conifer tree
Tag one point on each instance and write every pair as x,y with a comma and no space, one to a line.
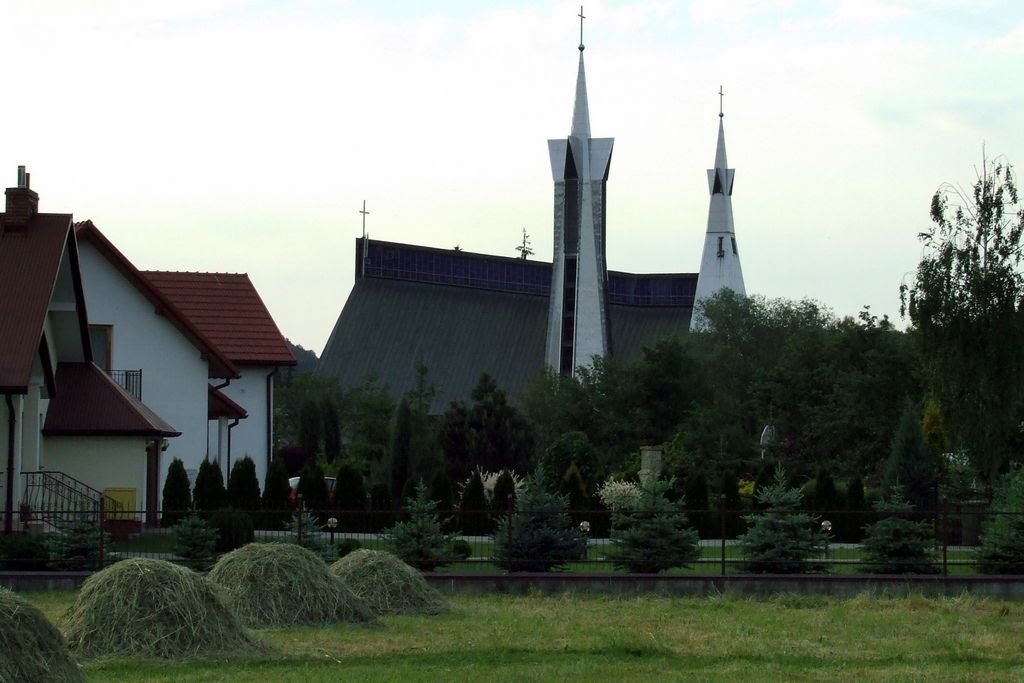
896,543
1002,536
504,496
782,538
421,541
209,493
243,486
276,494
653,536
312,487
177,496
473,507
538,535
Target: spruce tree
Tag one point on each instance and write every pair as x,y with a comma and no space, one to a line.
177,498
276,494
912,468
538,535
504,496
421,541
1002,534
194,541
653,536
243,486
209,493
401,448
312,487
781,539
896,543
852,528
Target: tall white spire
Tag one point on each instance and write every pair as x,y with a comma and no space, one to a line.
577,315
720,264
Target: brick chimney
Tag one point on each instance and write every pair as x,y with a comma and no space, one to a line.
22,202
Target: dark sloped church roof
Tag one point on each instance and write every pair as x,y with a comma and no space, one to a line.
461,314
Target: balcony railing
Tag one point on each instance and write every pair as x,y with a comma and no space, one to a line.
130,381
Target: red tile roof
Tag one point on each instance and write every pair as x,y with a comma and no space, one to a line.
220,364
229,311
90,403
30,258
219,405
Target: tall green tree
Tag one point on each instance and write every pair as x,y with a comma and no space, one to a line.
177,499
912,470
966,303
401,448
244,486
209,493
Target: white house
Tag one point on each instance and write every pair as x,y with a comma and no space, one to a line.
200,349
69,433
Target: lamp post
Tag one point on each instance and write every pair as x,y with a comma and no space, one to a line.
332,523
826,528
585,530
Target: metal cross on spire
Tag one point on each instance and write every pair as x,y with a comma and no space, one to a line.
721,95
580,15
365,214
366,246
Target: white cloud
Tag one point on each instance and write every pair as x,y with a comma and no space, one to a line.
1012,42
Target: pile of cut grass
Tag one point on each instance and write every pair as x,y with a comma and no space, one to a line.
389,585
153,608
283,584
33,649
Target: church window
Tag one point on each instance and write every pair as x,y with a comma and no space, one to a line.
721,247
736,253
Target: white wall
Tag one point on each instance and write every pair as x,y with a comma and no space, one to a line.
174,377
249,437
101,461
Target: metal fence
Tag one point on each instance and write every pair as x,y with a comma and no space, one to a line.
61,540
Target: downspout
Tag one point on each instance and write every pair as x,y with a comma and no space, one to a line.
234,423
270,416
12,423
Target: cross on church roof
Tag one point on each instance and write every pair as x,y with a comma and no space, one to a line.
721,95
580,15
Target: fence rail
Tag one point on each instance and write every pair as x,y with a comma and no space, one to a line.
103,538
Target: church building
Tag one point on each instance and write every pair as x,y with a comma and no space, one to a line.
461,314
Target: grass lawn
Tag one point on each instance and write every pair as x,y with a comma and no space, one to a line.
535,638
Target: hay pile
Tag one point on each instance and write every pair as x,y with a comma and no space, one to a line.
152,608
32,648
389,585
283,584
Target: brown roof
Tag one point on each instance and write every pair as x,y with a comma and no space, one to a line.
220,364
90,403
220,405
30,258
229,311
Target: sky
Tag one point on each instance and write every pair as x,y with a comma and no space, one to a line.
245,135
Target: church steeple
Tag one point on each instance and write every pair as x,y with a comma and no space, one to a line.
577,315
720,264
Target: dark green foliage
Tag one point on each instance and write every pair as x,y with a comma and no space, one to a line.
781,539
77,543
209,493
442,492
234,529
369,409
330,420
897,543
695,493
195,542
23,552
966,304
382,507
310,426
912,469
729,502
827,500
1002,536
177,496
347,545
851,525
312,487
569,449
307,532
655,535
276,492
349,490
456,438
461,549
243,486
401,448
420,541
503,497
473,517
539,535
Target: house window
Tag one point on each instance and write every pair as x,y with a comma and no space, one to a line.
99,339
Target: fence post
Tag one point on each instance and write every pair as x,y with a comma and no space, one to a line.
99,525
721,516
945,537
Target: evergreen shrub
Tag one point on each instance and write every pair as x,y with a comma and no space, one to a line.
421,541
243,486
1002,534
654,535
276,493
177,496
195,542
896,544
234,529
473,517
24,552
209,493
538,535
75,546
781,539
